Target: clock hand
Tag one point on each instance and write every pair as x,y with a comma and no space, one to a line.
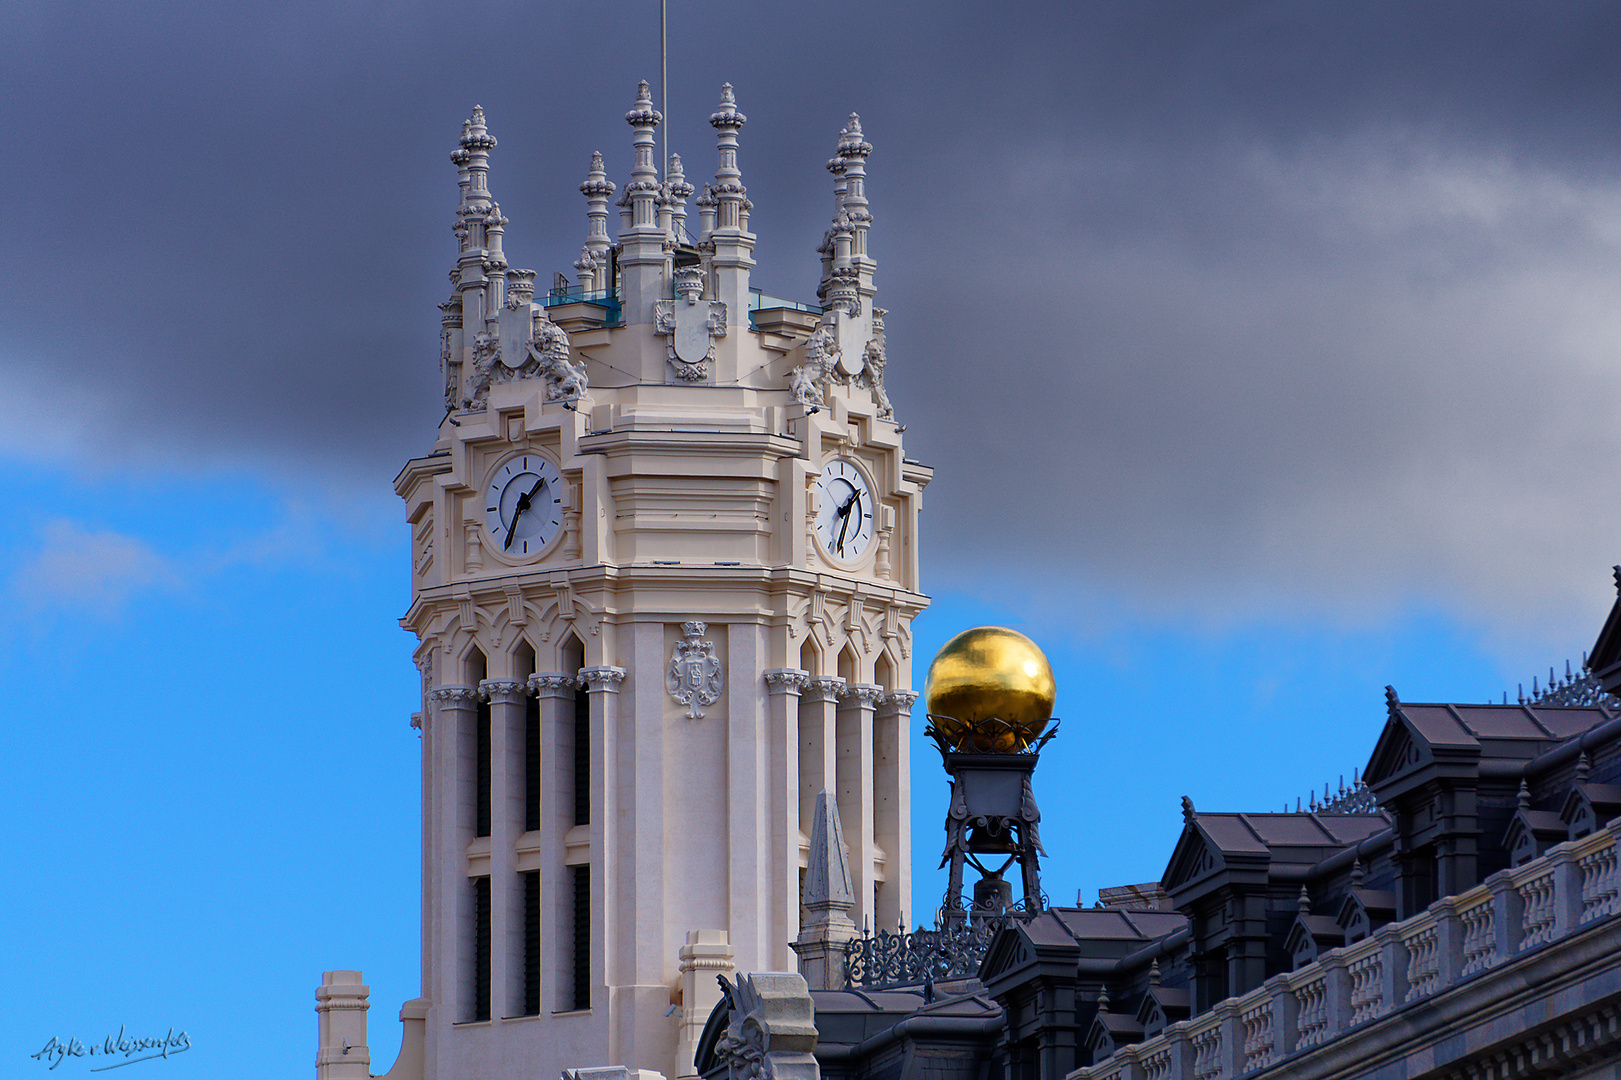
844,521
517,511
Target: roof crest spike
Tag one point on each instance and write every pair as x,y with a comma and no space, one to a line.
1187,810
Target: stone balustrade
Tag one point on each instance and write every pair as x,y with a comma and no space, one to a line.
1457,937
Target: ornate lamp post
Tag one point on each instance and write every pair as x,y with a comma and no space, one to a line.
989,700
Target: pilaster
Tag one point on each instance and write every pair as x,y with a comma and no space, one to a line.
818,744
556,691
892,803
855,791
706,955
783,687
507,698
455,711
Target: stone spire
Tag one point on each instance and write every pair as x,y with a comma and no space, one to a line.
854,150
597,188
480,273
678,192
824,924
734,244
835,165
642,258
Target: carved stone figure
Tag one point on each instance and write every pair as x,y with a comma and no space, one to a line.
695,677
770,1028
808,381
872,375
549,350
486,354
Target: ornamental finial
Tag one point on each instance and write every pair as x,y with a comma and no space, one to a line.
643,112
727,115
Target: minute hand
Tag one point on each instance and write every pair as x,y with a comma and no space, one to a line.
844,520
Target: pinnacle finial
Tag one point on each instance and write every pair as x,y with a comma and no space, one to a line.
1153,973
851,144
727,115
1617,570
1392,702
1584,767
1187,810
1524,797
475,136
643,113
1358,874
1305,901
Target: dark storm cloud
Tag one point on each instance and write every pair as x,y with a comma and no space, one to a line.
1217,304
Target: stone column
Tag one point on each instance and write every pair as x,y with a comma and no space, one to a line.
706,954
508,700
892,803
341,1004
555,691
818,745
455,714
602,683
783,685
855,790
825,926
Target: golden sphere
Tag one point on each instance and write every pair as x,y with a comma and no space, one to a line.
993,689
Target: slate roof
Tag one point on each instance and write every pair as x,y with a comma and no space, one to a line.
850,1017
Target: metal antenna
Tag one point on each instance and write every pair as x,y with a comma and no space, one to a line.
664,79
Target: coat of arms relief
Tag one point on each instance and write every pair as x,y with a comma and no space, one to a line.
695,677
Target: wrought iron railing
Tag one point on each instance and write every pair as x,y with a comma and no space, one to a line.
953,949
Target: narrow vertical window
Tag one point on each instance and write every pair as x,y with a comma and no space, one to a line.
482,751
582,937
531,943
531,765
481,948
582,757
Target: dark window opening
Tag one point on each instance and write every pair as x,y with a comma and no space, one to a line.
582,937
582,758
531,765
531,943
481,948
482,752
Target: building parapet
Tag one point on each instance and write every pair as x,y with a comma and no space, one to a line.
1457,938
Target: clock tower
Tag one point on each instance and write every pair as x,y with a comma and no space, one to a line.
665,568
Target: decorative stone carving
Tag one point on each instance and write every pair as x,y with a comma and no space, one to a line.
691,325
872,374
539,349
486,349
808,382
552,684
502,690
602,678
695,677
823,688
862,694
770,1028
454,697
786,680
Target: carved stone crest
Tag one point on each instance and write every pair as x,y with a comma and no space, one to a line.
528,345
692,325
695,677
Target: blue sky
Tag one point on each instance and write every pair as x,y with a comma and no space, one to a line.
1267,354
217,787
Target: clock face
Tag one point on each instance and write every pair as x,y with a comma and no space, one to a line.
523,505
844,511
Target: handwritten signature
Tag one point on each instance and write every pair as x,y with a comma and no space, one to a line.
59,1050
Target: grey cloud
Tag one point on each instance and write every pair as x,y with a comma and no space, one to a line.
1209,304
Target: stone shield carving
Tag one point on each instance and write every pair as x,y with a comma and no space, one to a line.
695,677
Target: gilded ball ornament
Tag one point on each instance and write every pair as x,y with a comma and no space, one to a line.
989,690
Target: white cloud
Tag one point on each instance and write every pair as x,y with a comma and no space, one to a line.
83,572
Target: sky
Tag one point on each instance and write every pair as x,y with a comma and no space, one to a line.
1266,354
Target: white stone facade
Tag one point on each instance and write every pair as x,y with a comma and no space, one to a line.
622,503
